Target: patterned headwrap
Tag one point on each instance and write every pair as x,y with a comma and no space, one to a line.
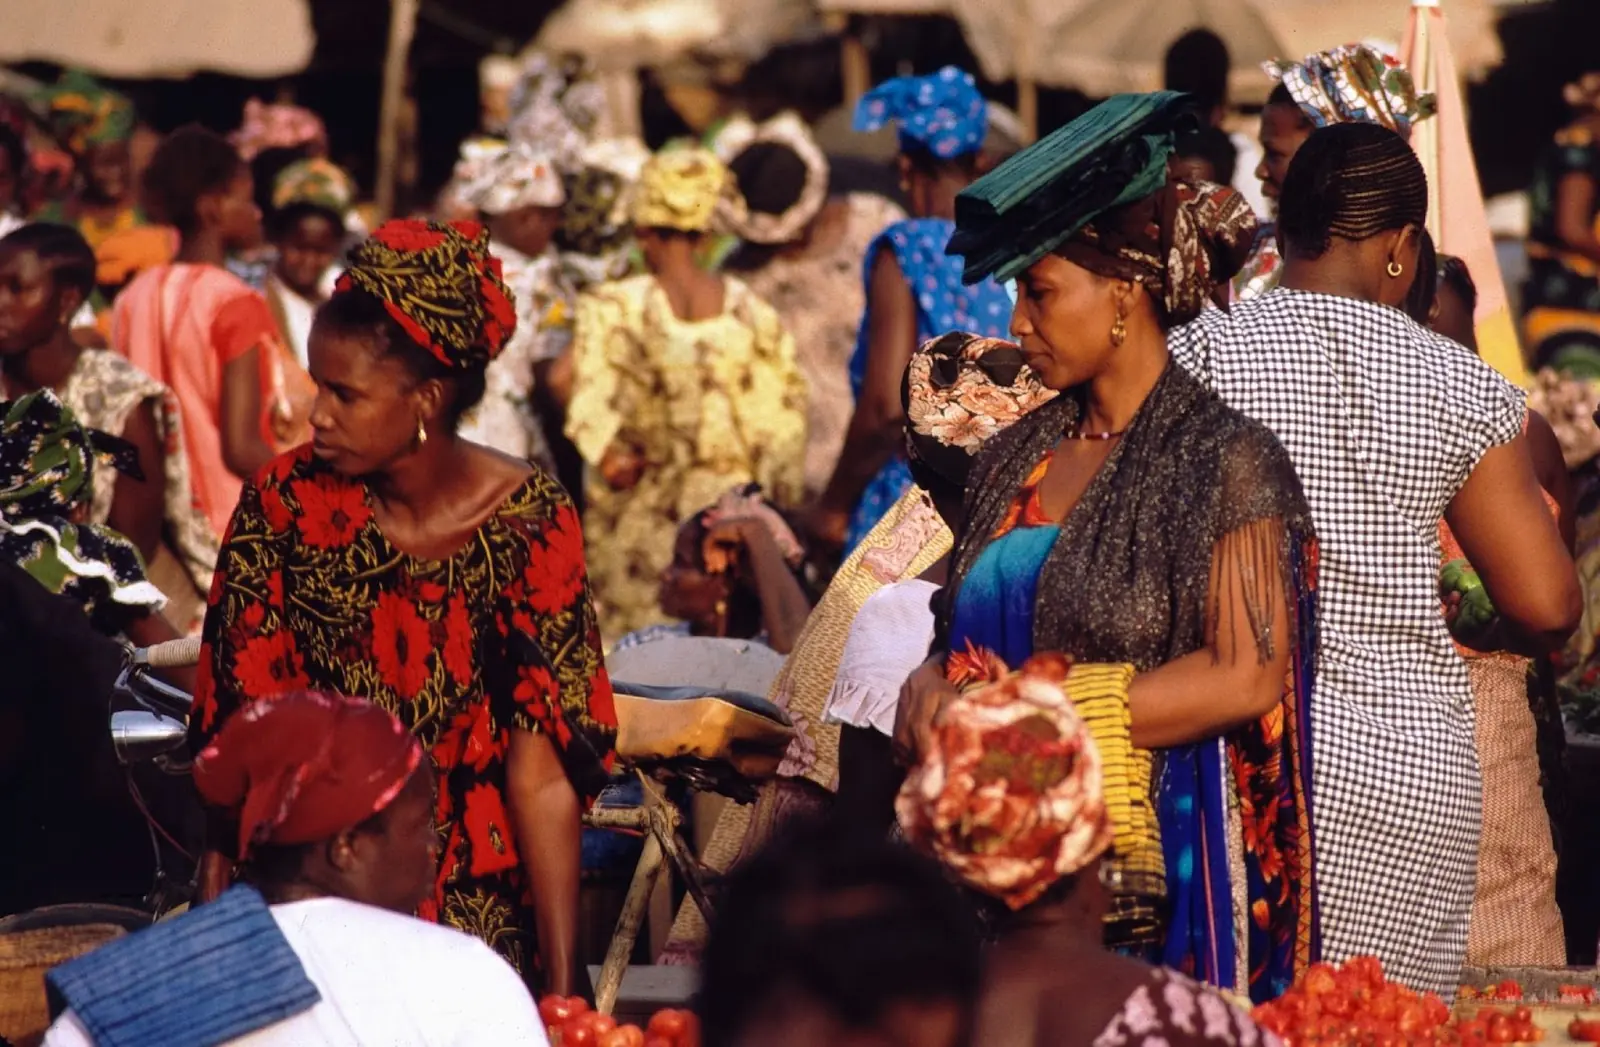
1180,243
943,113
278,126
318,182
1009,794
789,131
596,229
1355,83
496,178
440,284
686,189
47,465
303,767
959,390
555,106
83,112
1104,175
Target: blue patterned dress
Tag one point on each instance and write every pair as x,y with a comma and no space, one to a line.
944,304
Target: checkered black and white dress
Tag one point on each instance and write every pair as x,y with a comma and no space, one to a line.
1384,421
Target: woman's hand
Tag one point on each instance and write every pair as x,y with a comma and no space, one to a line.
922,698
621,467
725,540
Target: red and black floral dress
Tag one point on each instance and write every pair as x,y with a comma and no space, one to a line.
309,594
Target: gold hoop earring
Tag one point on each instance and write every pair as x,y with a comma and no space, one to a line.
1394,270
422,432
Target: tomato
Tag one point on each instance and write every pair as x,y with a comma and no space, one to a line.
658,1041
555,1010
669,1024
623,1036
1585,1029
1508,990
1319,980
575,1035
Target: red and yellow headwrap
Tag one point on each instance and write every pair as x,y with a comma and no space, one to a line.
440,284
304,767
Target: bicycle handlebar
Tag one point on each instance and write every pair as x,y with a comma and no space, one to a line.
171,654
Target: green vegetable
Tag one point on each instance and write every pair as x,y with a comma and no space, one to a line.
1476,612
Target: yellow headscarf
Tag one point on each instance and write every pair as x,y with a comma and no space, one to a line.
687,189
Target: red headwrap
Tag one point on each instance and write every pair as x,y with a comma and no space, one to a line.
304,767
440,283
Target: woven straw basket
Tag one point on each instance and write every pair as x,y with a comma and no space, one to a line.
25,956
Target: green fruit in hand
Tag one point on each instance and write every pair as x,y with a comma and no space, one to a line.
1476,612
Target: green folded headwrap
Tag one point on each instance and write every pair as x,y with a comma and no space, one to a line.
1112,155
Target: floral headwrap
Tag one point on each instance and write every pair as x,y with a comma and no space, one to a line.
318,182
1180,242
278,126
596,229
1354,84
555,106
942,113
960,389
789,131
84,112
304,767
686,189
440,283
1008,795
47,465
495,178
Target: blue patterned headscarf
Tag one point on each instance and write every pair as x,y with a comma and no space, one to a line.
942,113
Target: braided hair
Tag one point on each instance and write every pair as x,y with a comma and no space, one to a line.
1350,181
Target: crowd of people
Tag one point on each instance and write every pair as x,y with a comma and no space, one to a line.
1111,521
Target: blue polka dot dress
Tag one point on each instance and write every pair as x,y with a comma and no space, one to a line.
944,304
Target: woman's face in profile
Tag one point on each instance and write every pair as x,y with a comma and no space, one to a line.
1063,320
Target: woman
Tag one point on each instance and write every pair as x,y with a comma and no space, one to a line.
684,384
1355,83
1009,797
1136,519
310,201
802,251
202,332
339,852
518,194
959,391
393,560
826,938
913,291
1561,297
96,125
46,273
1397,790
734,573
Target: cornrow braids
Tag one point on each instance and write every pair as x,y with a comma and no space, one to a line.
1350,181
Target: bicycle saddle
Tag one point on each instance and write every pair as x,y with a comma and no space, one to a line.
659,724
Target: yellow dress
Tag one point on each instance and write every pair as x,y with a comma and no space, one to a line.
708,404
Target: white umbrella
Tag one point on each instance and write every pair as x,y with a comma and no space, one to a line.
634,34
160,38
1103,47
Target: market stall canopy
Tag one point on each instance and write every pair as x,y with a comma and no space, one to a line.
160,38
635,34
1103,47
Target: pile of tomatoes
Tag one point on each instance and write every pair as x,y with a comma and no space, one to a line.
1355,1006
572,1023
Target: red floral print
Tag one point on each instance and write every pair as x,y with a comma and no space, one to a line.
555,579
330,513
458,658
488,832
269,665
400,645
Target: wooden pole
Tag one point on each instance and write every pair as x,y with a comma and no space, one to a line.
402,27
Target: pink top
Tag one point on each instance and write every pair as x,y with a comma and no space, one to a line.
182,324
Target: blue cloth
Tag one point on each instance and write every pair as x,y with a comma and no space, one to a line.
210,976
943,305
995,610
942,113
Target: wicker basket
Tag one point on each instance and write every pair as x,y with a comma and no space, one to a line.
25,956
